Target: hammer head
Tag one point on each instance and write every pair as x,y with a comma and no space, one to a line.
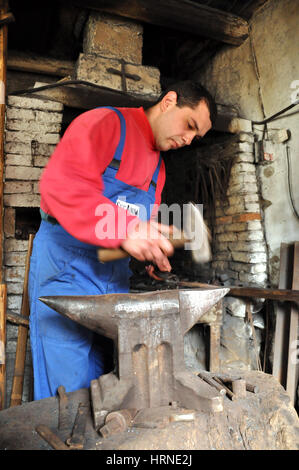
197,234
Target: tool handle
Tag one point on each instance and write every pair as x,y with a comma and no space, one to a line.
109,254
20,358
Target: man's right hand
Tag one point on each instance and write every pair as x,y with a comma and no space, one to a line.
147,242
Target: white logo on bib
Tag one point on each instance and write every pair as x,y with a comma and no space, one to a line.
133,209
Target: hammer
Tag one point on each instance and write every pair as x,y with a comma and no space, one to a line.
195,235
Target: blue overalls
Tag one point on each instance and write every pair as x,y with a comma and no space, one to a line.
64,352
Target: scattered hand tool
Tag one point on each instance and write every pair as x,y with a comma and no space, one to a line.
117,421
63,418
76,441
168,278
227,379
228,391
211,381
239,388
252,388
238,384
51,438
195,233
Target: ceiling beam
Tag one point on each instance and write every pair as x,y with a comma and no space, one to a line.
182,15
85,96
29,62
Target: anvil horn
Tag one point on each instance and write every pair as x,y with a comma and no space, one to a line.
87,310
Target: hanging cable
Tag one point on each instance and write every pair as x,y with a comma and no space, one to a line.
277,114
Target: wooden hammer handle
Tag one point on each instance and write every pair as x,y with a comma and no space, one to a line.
107,254
18,378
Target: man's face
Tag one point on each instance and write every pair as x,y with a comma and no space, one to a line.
177,127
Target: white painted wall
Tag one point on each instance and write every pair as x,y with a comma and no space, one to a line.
257,78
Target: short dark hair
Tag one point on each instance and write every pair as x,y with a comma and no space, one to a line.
190,93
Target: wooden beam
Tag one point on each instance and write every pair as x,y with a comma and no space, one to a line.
293,366
17,319
84,96
182,15
87,96
281,334
274,294
3,60
255,292
41,65
6,18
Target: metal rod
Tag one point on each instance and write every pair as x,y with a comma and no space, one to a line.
213,383
228,391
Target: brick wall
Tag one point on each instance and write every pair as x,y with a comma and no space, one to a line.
240,249
32,131
233,211
236,218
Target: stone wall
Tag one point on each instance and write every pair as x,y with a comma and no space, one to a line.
234,218
112,56
240,249
240,253
32,131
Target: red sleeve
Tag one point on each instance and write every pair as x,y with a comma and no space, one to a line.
71,186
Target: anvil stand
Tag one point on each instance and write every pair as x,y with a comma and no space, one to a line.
151,383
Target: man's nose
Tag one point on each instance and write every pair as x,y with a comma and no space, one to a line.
188,137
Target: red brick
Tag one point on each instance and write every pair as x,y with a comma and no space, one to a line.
247,216
224,220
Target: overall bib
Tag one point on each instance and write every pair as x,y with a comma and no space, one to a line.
64,352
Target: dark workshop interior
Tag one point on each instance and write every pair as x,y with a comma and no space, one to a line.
213,360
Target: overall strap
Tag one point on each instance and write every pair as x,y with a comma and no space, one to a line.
156,174
115,163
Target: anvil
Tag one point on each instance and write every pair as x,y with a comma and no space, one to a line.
148,332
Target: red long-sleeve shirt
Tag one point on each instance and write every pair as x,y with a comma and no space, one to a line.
71,185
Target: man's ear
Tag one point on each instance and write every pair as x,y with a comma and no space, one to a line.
169,100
